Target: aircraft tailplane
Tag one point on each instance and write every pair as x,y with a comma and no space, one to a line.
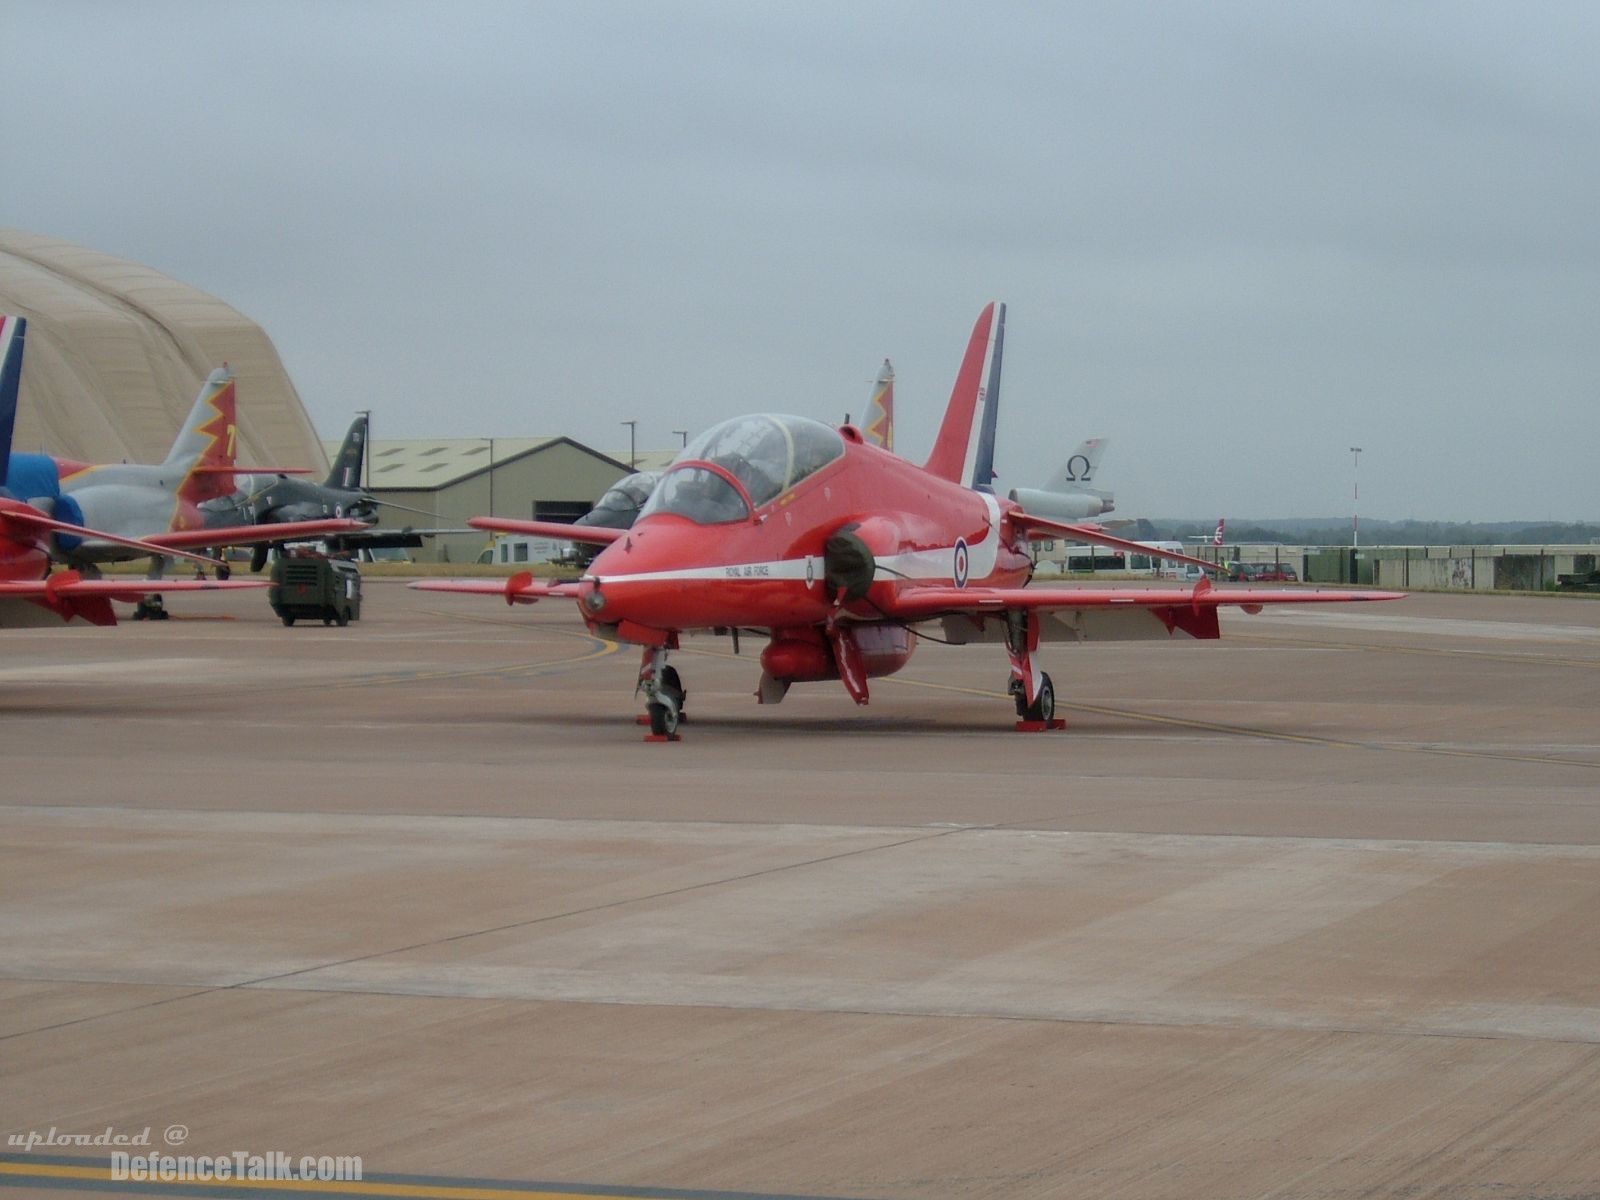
346,473
957,448
13,332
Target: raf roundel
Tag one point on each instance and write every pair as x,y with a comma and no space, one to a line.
960,570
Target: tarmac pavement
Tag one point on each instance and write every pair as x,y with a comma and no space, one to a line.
1313,911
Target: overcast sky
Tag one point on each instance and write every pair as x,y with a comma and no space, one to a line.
1236,239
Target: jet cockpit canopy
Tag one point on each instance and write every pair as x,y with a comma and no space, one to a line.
768,454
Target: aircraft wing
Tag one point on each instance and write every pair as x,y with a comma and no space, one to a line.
38,521
250,535
237,470
131,589
1115,612
521,588
593,534
1044,527
69,595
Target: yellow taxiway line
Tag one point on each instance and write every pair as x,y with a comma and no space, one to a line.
22,1174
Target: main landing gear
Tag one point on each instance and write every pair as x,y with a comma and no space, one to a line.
664,694
1043,708
1030,688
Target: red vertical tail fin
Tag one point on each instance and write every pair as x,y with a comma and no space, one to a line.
955,450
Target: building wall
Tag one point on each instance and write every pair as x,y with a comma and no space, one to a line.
1464,568
1480,568
561,471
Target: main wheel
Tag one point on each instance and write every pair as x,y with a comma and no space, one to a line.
342,617
288,618
663,718
673,686
1044,706
1018,697
224,570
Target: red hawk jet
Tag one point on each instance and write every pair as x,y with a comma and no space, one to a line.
839,552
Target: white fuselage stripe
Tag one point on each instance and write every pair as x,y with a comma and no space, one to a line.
936,565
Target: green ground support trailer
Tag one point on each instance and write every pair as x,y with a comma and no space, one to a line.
314,588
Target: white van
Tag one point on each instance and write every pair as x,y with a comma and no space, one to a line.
1159,568
516,548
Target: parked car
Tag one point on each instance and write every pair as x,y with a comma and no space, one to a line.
1264,572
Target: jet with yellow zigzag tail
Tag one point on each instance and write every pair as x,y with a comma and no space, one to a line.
157,504
878,428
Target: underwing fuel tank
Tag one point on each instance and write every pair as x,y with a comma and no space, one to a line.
1063,506
804,656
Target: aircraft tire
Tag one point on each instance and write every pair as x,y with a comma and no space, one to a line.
1044,707
673,686
288,620
663,719
342,618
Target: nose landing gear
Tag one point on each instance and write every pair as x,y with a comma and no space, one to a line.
664,695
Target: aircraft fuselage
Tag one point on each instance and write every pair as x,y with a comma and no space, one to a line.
769,569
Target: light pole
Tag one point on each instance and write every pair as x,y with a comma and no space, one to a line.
683,435
633,450
1355,510
491,476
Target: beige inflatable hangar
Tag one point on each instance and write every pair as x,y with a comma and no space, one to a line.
117,351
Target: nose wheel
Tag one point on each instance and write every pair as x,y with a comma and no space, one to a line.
663,717
664,695
665,708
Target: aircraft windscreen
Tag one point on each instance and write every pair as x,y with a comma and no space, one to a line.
701,495
627,495
769,453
